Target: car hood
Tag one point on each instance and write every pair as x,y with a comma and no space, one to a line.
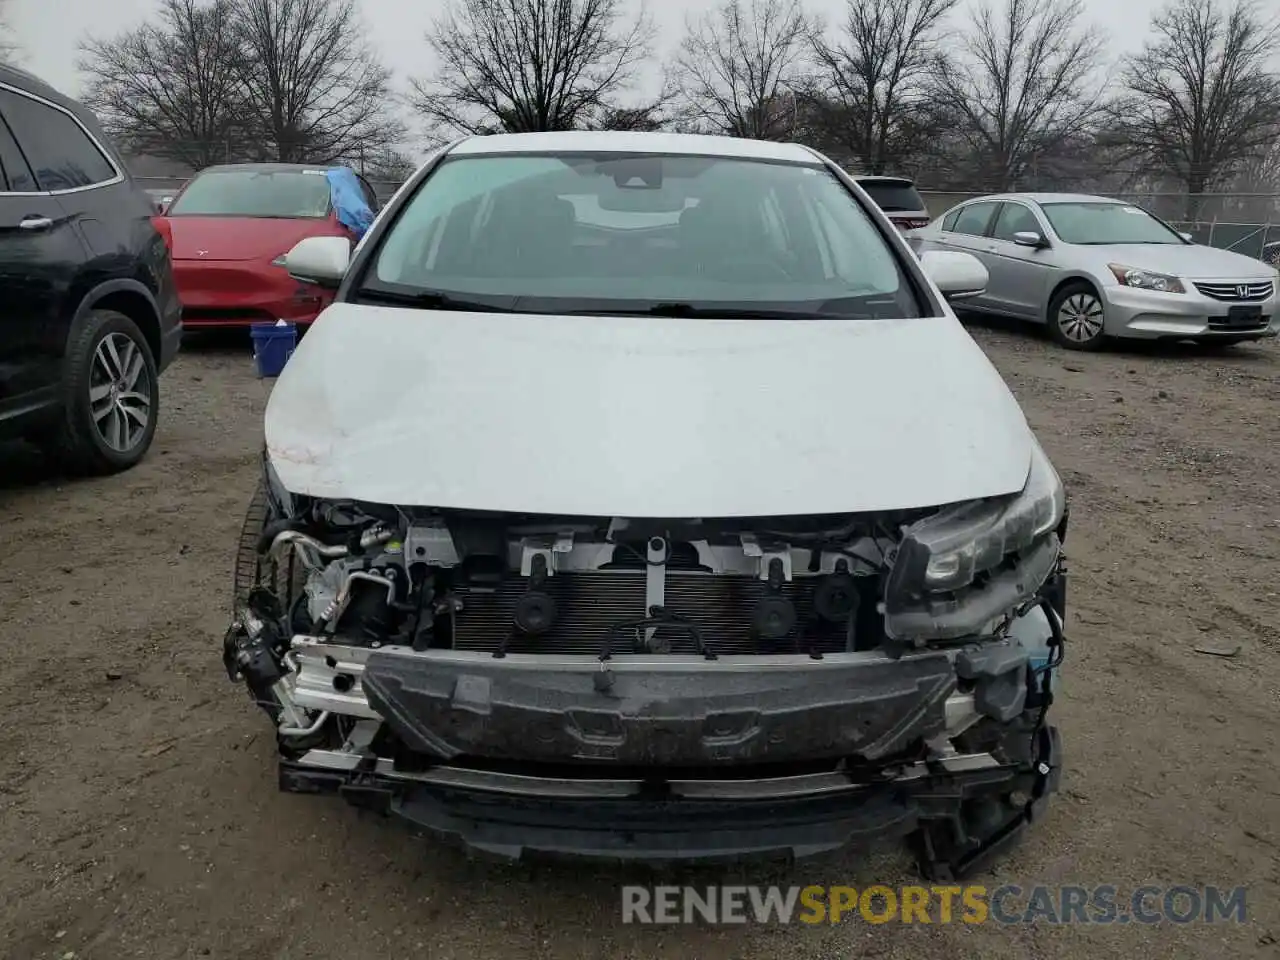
642,417
1193,261
240,238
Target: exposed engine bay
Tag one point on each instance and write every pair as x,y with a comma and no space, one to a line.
413,658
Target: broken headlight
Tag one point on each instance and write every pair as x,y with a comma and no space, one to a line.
947,551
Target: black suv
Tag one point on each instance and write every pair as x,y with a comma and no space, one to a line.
89,313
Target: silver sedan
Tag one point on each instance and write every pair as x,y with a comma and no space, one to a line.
1094,268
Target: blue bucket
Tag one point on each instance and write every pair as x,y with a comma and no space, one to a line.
272,346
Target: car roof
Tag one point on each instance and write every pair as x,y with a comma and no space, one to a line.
29,83
268,167
1047,198
618,141
883,178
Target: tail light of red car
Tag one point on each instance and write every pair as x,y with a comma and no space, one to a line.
165,229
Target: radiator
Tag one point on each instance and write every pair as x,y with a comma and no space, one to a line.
590,603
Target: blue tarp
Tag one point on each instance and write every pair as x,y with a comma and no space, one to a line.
349,202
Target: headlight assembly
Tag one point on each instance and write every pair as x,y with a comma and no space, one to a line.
953,546
947,551
1145,279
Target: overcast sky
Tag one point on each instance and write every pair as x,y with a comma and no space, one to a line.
49,30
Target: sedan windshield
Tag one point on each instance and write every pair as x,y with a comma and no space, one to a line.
292,194
1099,222
638,233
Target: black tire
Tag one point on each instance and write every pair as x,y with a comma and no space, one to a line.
78,442
248,564
284,579
1078,334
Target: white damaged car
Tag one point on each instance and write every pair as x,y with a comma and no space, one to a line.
640,497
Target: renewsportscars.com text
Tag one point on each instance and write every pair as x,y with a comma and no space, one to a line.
1007,904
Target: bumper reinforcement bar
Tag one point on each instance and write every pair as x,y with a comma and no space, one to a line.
657,820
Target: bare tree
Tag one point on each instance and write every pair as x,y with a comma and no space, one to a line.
316,91
876,74
529,65
740,68
172,88
10,48
1025,80
1202,98
645,118
388,166
1261,172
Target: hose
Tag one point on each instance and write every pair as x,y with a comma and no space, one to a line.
311,551
305,731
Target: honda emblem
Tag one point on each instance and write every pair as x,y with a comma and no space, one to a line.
1242,291
201,253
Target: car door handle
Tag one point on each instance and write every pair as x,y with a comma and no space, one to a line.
992,249
35,223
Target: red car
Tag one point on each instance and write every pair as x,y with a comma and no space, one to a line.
228,229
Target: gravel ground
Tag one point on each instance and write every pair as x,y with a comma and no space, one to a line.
140,817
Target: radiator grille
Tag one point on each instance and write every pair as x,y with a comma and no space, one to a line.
1243,292
590,603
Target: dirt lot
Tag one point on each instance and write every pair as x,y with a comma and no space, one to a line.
140,817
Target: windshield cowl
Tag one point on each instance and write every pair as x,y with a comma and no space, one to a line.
844,308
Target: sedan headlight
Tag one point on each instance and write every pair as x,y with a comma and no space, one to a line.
946,551
1145,279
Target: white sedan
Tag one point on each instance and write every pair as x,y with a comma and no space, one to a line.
1094,268
643,498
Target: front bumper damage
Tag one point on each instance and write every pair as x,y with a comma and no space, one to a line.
679,758
512,817
548,687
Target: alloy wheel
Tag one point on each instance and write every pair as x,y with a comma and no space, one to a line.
120,392
1080,317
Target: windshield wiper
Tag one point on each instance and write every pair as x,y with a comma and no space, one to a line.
433,300
676,309
728,313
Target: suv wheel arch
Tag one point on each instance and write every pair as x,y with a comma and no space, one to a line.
126,296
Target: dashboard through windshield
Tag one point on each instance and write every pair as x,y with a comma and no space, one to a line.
1101,223
291,194
624,233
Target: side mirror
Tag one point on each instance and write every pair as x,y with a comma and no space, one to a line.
957,275
1187,237
1029,238
319,260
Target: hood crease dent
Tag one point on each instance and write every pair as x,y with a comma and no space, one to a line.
642,416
